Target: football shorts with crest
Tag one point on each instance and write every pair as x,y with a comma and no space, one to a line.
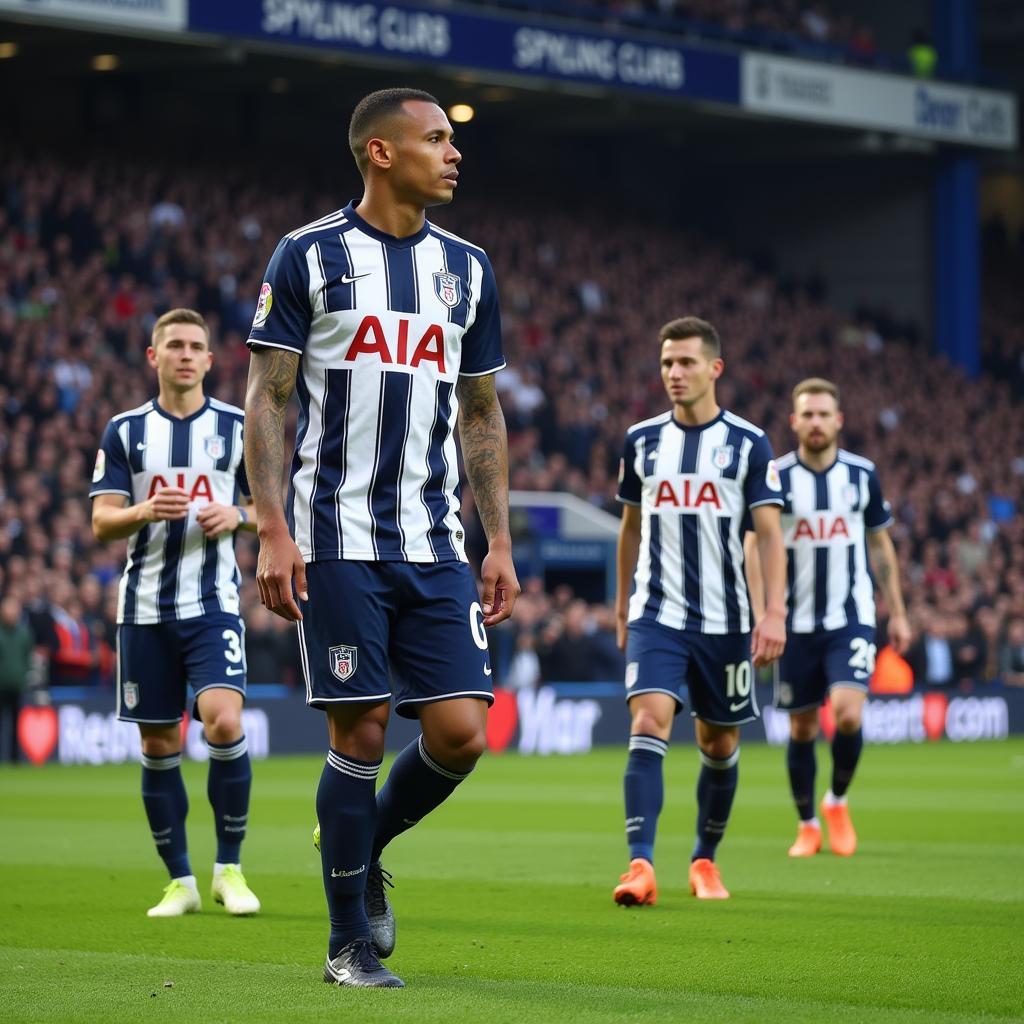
158,664
411,631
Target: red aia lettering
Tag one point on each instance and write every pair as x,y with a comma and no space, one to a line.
199,489
687,496
821,528
370,339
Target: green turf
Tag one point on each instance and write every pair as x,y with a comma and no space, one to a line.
504,901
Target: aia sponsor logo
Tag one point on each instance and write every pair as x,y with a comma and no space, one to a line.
198,487
371,339
820,529
687,492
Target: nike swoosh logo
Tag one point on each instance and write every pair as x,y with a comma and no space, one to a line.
335,873
234,671
140,446
487,670
742,704
352,278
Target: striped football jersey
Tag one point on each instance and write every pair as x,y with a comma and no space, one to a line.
173,571
385,326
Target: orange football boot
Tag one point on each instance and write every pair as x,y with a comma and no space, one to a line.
705,882
637,887
841,836
808,840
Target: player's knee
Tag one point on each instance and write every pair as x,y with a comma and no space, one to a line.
161,744
223,726
803,730
847,720
649,723
720,747
460,749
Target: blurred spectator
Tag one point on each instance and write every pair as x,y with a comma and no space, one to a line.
921,55
1011,655
931,657
16,671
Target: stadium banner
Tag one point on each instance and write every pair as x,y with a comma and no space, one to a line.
805,91
165,15
508,45
567,718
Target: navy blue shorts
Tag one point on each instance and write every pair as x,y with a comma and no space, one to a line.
373,630
815,662
715,669
157,664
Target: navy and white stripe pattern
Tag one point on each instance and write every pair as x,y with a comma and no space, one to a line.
439,768
228,752
651,744
173,571
694,486
385,327
720,765
349,766
162,764
825,520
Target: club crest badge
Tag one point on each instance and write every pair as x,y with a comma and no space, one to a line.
130,692
448,288
721,456
263,304
214,446
851,495
343,661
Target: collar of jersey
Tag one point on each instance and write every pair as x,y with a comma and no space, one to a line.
383,236
181,419
819,472
696,426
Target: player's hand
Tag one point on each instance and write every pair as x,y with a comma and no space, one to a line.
768,640
900,633
500,585
166,503
279,564
216,519
621,630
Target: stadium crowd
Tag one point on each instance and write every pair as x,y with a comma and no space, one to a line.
90,255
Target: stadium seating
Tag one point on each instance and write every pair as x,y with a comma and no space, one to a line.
91,254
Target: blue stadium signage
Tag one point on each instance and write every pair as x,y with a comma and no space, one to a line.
507,46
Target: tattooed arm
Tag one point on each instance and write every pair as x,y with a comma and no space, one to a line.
886,569
271,382
485,453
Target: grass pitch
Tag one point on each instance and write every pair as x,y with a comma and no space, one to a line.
504,901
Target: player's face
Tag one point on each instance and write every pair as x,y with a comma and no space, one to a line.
424,168
181,357
686,370
816,421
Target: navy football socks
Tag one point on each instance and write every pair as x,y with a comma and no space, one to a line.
227,785
802,765
716,787
644,789
846,748
347,811
416,785
166,803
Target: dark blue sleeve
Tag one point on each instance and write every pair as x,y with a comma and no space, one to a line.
241,480
481,344
762,485
878,513
111,474
630,485
283,314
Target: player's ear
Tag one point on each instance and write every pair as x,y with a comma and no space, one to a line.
792,421
379,153
151,356
717,368
839,418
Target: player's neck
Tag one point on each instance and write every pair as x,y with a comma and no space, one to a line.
383,212
818,461
181,404
697,414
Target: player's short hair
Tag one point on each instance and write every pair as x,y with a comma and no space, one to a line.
816,386
179,316
371,110
692,327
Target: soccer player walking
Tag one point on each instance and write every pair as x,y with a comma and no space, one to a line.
688,480
835,521
168,476
389,329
